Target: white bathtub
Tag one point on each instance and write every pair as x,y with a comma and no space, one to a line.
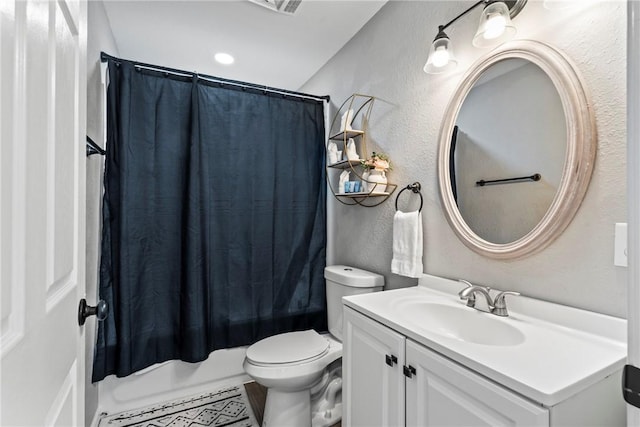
171,380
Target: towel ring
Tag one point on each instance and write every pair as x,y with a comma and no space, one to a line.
415,187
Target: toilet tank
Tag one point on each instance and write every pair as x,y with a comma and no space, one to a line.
342,281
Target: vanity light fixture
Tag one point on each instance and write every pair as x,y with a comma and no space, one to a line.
495,28
441,56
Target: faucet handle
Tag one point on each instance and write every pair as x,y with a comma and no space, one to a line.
466,282
500,303
471,298
469,284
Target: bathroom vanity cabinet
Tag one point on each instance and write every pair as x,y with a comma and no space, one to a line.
419,387
393,377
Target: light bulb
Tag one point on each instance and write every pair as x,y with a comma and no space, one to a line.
224,58
494,27
440,57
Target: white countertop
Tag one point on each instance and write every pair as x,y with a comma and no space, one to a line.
565,350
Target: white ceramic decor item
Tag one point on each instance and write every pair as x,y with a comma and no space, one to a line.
377,181
332,153
352,153
365,179
347,117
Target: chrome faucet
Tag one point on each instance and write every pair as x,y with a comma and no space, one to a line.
469,294
497,306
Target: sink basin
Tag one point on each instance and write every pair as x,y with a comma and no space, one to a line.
461,323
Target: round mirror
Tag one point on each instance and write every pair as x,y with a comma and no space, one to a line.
516,150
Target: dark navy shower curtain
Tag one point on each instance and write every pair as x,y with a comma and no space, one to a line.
213,218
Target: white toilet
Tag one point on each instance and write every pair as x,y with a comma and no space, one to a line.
302,370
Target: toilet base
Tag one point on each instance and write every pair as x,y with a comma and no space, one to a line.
327,418
326,397
287,409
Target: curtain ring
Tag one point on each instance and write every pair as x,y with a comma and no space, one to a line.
415,187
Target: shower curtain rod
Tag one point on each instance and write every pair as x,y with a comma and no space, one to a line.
104,57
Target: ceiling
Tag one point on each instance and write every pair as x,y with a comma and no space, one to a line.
270,48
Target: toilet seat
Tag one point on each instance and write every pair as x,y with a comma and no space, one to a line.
288,348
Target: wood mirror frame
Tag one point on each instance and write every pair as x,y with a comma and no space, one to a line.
579,155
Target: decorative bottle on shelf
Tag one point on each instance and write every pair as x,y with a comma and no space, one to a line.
344,178
377,181
365,179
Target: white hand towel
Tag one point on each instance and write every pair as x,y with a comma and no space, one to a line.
407,244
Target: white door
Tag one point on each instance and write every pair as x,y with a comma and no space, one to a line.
633,192
373,383
42,214
443,393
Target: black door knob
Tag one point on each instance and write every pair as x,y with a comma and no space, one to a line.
101,310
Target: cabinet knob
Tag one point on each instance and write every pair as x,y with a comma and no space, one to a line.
409,371
390,359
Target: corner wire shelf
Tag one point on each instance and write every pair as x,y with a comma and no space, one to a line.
362,106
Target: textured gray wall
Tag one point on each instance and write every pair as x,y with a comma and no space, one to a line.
100,38
385,59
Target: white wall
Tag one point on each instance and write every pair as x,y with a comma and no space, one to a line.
100,38
385,59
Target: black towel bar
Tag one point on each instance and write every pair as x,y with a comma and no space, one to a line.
534,177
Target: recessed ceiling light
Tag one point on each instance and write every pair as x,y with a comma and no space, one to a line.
224,58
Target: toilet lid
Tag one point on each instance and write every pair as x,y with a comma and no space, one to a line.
288,348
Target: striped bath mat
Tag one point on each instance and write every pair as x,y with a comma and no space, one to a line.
228,407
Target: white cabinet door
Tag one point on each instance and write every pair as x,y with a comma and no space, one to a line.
373,391
42,137
443,393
